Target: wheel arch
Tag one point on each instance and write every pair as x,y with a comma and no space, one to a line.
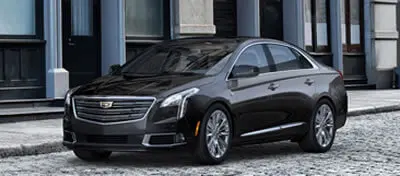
226,105
327,97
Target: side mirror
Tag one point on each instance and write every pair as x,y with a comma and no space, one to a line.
242,71
115,69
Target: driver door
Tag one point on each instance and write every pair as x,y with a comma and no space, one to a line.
252,96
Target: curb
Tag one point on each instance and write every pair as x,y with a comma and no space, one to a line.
52,147
372,110
25,150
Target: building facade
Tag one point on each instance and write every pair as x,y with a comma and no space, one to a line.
48,46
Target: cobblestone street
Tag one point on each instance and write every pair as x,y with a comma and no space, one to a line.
367,145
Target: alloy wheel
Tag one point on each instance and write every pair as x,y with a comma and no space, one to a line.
324,125
217,134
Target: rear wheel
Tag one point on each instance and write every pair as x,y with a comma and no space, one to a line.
322,130
88,155
215,136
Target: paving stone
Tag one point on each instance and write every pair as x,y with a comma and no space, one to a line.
367,145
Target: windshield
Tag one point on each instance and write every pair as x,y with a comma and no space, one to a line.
207,58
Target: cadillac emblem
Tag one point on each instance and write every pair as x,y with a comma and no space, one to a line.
106,104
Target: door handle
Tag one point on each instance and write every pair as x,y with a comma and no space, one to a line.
273,86
309,82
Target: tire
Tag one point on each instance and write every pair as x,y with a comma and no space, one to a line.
88,155
310,142
203,153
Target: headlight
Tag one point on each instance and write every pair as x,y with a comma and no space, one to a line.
68,96
179,100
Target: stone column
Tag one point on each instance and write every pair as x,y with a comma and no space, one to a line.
293,22
113,46
248,18
57,78
385,35
336,34
193,18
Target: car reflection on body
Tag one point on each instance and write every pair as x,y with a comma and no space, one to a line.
207,94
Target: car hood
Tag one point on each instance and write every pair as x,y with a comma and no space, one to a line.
148,86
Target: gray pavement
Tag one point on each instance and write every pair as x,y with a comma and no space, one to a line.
31,137
373,101
44,136
367,145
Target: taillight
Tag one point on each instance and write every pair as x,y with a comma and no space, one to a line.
340,73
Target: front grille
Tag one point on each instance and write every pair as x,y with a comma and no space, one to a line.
98,139
121,109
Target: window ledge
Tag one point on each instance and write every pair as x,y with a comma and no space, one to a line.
22,41
144,41
320,53
353,54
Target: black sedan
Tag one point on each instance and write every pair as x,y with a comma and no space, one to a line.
207,95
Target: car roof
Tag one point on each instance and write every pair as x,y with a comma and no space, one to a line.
226,40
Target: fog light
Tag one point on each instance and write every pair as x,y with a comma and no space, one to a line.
179,138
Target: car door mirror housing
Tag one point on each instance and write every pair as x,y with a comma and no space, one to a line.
115,69
243,71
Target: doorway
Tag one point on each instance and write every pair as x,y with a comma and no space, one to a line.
271,19
81,40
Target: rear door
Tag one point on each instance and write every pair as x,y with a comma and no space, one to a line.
296,76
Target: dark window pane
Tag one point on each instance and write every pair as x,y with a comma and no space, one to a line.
271,19
285,59
254,56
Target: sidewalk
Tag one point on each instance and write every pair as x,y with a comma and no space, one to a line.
44,136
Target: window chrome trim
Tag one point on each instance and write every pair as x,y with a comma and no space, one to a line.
315,66
112,98
272,129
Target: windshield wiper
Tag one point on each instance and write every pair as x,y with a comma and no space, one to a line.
181,73
137,75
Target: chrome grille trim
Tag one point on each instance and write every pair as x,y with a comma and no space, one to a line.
120,113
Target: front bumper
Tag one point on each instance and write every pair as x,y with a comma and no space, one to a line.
123,143
157,130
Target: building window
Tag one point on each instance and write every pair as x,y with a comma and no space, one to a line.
18,18
351,16
82,17
145,18
316,31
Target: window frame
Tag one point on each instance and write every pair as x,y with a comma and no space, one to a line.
314,32
39,29
294,52
268,60
300,51
347,47
166,26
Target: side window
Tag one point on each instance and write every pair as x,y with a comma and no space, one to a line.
287,59
254,56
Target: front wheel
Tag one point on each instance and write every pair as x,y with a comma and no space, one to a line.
322,130
88,155
215,136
